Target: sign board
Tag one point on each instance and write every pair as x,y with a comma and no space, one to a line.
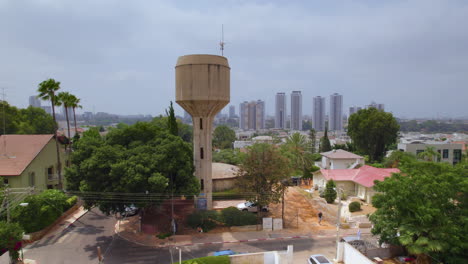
267,223
277,224
201,204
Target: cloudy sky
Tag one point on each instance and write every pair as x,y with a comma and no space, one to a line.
119,56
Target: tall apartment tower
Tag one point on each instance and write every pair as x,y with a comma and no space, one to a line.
232,111
354,109
296,110
318,116
252,115
335,122
34,101
203,95
280,111
376,105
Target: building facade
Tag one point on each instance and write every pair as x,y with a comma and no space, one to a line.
232,111
354,109
335,122
252,115
296,110
318,115
280,111
34,101
448,152
376,105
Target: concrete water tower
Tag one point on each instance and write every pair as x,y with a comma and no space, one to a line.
203,89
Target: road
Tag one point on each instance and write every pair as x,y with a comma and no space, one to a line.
78,244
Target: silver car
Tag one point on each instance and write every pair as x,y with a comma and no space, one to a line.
251,207
318,259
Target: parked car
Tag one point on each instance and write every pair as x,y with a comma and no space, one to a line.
318,259
250,207
130,210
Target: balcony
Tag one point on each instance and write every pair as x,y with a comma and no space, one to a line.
52,177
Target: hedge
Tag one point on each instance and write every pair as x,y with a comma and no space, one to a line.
230,216
207,260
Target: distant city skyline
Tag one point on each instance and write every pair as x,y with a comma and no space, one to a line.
126,64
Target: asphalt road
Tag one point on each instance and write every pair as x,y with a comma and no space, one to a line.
78,244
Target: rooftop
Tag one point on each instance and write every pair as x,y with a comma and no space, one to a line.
340,154
365,175
223,171
20,152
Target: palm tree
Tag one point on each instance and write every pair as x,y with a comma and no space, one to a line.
297,146
429,154
47,91
75,103
65,99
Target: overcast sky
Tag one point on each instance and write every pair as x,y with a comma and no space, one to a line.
119,56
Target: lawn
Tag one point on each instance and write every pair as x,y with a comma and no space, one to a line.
207,260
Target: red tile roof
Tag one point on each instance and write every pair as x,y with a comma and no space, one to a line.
20,152
365,176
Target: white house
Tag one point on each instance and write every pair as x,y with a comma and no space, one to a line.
449,152
357,182
340,159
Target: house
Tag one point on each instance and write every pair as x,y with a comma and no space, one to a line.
340,159
450,152
29,160
356,182
224,176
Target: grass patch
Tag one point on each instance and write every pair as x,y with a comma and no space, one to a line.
207,260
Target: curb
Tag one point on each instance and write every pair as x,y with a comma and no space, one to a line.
206,243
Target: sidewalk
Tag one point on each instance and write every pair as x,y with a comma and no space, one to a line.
128,230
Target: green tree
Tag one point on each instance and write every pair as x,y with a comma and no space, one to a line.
429,154
312,140
171,121
75,103
425,209
134,159
325,142
373,131
10,239
330,191
38,120
262,173
47,91
295,149
223,137
398,159
229,156
65,99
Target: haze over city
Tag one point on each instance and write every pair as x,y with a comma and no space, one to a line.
119,56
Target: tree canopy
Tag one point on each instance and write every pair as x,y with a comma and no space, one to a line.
135,159
223,137
373,131
262,173
10,238
425,209
229,156
31,120
325,142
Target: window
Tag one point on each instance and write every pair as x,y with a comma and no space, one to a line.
202,185
5,181
201,153
50,173
457,154
419,151
32,179
201,123
445,154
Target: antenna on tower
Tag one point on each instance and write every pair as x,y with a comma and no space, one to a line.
221,43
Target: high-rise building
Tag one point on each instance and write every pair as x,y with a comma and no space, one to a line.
335,122
296,110
318,115
375,105
34,101
280,111
232,111
354,109
252,115
48,109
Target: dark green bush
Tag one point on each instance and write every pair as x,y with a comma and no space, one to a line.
42,210
232,216
330,192
207,220
354,207
71,202
163,235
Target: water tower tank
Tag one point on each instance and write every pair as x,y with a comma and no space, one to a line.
203,89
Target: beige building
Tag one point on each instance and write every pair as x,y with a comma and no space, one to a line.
30,161
449,152
224,176
340,159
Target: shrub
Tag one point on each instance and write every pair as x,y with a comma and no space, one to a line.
343,196
163,235
44,208
71,202
354,207
330,192
205,219
232,216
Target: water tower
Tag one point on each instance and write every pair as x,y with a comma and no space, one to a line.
203,89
